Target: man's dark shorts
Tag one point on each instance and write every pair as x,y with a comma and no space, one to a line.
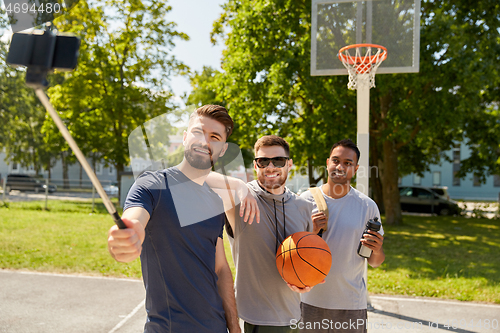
319,320
249,328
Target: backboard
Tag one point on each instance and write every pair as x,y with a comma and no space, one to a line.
394,24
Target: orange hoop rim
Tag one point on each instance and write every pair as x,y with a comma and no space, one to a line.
363,59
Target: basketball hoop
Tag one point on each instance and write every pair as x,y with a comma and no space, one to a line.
362,68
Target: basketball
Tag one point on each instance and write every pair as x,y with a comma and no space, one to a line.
303,259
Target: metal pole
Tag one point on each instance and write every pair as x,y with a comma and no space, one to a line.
93,199
363,141
4,186
81,158
46,192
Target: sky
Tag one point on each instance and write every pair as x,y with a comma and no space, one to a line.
195,18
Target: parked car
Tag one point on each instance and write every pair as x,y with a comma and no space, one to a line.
421,199
24,182
111,189
441,191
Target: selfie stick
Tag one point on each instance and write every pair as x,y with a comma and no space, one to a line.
79,155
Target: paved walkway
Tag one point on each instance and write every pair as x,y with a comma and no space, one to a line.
410,315
57,303
38,302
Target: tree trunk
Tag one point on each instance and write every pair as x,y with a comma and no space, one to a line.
390,184
388,168
81,175
375,176
65,171
310,172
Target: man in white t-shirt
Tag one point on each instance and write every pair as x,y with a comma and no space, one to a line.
339,305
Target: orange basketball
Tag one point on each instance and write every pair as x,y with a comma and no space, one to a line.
303,259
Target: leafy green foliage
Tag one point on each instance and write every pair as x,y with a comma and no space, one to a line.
204,88
266,82
122,75
121,82
437,107
204,92
21,119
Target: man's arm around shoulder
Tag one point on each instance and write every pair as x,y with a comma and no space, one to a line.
125,245
226,187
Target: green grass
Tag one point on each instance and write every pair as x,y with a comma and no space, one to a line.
66,239
446,257
229,256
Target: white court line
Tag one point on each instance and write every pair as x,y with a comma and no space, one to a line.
130,315
69,275
434,301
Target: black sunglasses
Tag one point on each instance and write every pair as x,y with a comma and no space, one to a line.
278,162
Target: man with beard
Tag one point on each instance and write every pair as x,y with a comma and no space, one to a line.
264,301
341,300
174,223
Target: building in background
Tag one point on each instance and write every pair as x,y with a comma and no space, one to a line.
77,178
444,174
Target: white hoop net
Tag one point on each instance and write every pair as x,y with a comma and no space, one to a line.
362,68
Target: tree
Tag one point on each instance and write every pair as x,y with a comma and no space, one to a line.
267,86
204,88
484,144
415,118
483,128
21,119
418,117
121,80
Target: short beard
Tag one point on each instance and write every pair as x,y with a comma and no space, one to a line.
197,161
341,181
280,181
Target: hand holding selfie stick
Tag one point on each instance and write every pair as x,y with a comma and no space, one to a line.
41,52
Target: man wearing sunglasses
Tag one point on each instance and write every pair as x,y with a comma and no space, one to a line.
264,300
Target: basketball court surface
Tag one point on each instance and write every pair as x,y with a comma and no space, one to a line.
56,303
33,302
